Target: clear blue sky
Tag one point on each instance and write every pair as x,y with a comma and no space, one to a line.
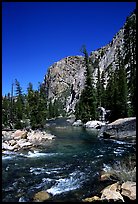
37,34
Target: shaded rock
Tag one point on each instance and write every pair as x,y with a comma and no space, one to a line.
94,124
129,189
77,123
91,199
41,196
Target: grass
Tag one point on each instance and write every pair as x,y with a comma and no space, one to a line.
123,170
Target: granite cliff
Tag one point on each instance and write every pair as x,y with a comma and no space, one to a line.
65,79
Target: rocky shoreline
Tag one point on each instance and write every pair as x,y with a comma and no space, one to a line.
121,129
16,140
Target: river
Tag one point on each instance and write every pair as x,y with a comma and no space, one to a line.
68,167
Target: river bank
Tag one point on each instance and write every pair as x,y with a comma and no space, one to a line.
68,167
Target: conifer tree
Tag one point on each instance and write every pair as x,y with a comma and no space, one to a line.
86,107
6,105
103,92
19,105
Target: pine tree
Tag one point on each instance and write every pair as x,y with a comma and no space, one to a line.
103,92
42,104
86,107
19,105
6,105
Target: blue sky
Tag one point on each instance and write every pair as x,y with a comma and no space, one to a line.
37,34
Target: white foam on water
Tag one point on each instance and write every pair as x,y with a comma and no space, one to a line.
118,151
37,171
119,142
7,157
101,155
67,184
106,167
39,154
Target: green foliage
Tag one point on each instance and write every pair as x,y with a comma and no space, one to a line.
6,105
86,107
116,93
56,109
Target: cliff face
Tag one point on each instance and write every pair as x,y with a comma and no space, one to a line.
65,78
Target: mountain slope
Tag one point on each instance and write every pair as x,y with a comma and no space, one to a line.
65,78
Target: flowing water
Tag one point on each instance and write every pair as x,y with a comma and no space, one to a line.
68,167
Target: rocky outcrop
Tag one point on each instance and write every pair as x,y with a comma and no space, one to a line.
124,128
22,139
116,192
65,79
112,193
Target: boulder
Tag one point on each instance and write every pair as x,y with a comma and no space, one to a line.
41,196
12,142
7,146
23,143
19,134
124,128
39,136
129,190
91,199
111,192
94,124
77,123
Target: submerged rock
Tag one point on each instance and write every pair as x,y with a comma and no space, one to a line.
91,199
41,196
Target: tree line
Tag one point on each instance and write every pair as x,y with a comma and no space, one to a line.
30,109
119,94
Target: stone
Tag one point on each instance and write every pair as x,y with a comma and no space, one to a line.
105,177
129,190
123,128
41,196
19,134
39,136
91,199
12,142
94,124
23,143
111,195
77,123
112,192
7,146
